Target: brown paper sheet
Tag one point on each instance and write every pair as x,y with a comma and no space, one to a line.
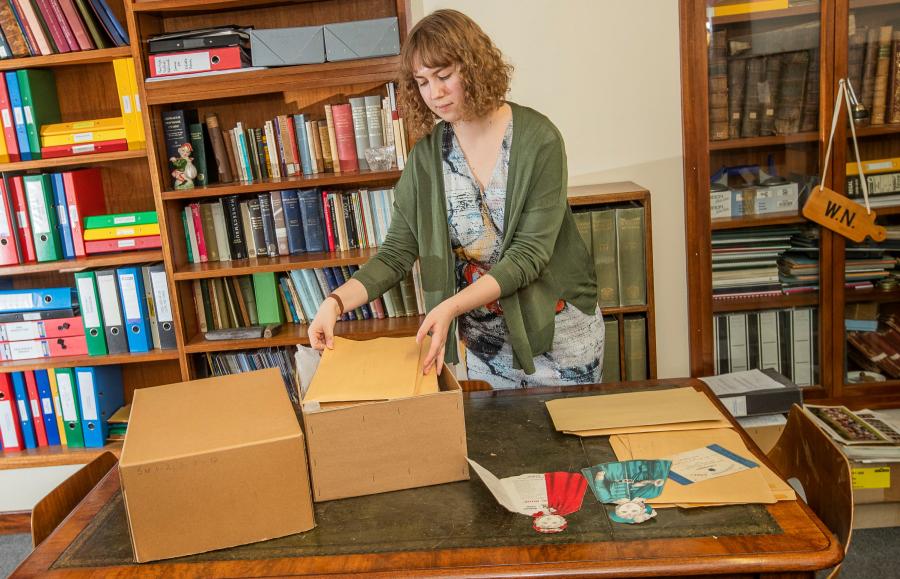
367,370
700,425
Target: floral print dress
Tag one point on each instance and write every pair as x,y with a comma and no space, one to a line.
475,217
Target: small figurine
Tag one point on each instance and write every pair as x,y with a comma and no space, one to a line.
184,171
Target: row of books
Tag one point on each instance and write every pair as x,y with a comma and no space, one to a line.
873,67
615,240
53,216
58,407
726,202
745,261
882,180
43,27
286,222
634,344
784,340
760,95
877,350
236,362
295,296
32,127
286,146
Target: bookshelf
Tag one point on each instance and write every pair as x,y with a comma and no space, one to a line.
836,35
87,90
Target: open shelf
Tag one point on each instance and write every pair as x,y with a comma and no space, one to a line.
74,160
783,218
774,141
54,456
871,295
293,334
78,264
727,305
296,182
277,79
280,263
85,360
66,59
618,310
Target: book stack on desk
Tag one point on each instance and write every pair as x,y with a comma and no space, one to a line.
40,323
59,407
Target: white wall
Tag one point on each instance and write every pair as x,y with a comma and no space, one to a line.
607,73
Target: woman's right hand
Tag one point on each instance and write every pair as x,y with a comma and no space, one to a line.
321,330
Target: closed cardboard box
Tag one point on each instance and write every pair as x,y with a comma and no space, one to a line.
213,463
362,39
375,447
287,46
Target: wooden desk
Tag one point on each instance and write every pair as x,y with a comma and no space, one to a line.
457,529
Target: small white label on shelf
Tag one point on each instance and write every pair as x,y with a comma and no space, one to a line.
35,409
40,223
27,350
29,115
86,395
62,214
23,410
161,296
130,297
4,221
81,149
17,301
47,406
64,384
17,331
7,120
106,286
122,231
20,118
7,425
82,137
124,219
126,104
88,303
181,63
126,243
137,102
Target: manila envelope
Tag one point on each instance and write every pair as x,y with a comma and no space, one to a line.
756,485
613,411
699,425
379,369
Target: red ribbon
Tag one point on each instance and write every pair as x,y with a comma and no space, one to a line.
565,491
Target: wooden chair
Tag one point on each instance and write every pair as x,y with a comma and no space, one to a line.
806,453
56,506
474,385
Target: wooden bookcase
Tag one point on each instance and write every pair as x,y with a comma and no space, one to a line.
86,85
140,179
800,152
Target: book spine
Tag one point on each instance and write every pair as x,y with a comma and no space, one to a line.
236,239
218,144
360,130
346,141
268,224
257,228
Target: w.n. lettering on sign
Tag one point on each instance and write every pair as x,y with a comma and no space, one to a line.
842,215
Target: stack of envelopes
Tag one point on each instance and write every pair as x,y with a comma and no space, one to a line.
369,370
659,424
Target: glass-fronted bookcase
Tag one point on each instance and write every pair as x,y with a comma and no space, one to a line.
768,288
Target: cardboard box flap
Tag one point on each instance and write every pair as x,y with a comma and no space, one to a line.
211,414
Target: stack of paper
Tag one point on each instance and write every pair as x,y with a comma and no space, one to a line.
364,371
751,485
653,411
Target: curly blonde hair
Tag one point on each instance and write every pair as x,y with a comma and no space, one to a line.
444,38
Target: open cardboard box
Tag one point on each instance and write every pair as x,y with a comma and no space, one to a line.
388,445
213,463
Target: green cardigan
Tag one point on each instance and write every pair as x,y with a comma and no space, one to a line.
543,258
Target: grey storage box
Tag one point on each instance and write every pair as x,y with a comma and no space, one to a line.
362,39
287,46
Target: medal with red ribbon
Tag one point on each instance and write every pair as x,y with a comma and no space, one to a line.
565,493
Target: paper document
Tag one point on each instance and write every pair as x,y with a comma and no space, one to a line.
613,411
525,494
763,420
741,382
379,369
706,463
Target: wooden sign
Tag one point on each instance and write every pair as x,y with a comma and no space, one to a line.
842,215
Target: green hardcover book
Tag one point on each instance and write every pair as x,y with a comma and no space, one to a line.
207,303
209,231
187,237
265,289
119,219
71,407
611,372
632,271
91,313
603,243
42,214
635,348
583,223
199,154
246,285
39,103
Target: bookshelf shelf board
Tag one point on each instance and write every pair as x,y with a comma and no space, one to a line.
618,310
280,263
66,59
292,334
783,218
297,182
876,131
151,6
71,361
54,456
886,210
271,80
871,295
723,305
620,192
767,14
751,142
92,261
72,161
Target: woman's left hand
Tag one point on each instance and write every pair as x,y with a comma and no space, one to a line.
437,323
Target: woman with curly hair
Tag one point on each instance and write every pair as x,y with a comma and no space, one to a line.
482,205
